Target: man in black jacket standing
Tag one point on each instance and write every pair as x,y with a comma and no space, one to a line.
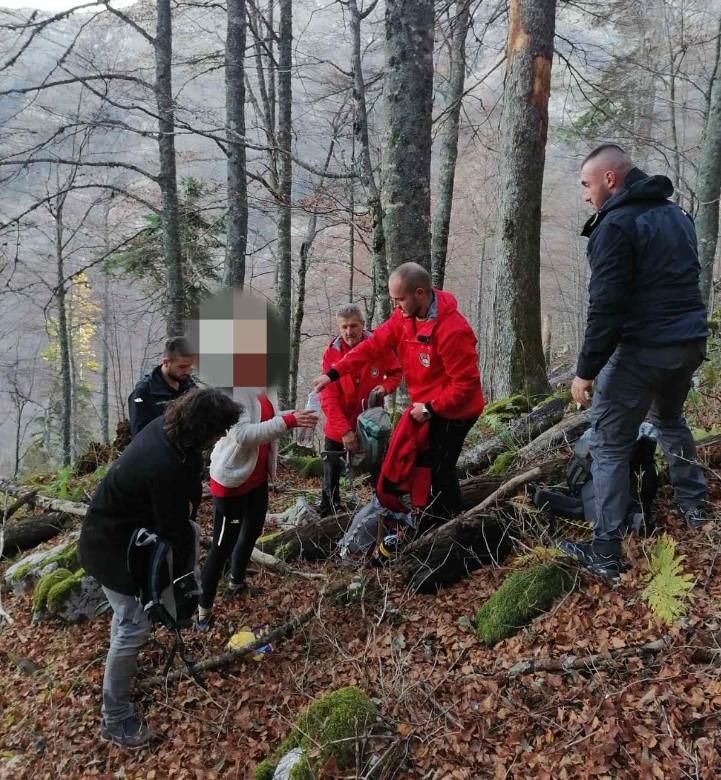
154,484
162,385
645,337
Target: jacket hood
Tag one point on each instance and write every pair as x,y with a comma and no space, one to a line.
638,186
445,302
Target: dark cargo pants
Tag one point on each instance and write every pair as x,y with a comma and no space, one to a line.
635,382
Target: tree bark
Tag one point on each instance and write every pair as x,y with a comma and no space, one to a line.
518,365
708,187
448,152
367,176
236,229
312,541
285,183
55,504
29,533
169,217
63,339
408,102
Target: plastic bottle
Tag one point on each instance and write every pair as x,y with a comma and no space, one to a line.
305,437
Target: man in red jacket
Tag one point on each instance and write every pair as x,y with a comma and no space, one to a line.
436,348
343,401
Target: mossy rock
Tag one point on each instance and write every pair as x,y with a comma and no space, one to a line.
266,540
513,406
59,591
325,729
523,595
502,464
65,557
306,465
44,586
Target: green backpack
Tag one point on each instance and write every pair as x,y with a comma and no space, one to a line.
373,430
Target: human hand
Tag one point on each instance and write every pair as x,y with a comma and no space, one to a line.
320,382
581,391
419,413
350,441
305,418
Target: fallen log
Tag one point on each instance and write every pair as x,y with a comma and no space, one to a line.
447,554
476,489
312,541
268,561
26,534
55,504
19,504
567,431
519,432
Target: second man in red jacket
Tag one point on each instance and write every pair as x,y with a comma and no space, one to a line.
344,400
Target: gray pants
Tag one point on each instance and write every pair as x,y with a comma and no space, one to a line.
129,630
635,382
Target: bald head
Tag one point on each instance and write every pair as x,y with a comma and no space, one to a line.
603,173
410,289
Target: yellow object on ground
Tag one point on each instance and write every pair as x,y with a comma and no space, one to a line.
246,636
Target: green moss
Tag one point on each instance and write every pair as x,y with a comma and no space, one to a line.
266,538
283,551
513,406
502,463
58,592
326,728
522,596
22,571
306,465
66,558
44,585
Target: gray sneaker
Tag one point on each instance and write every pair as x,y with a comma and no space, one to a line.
696,517
129,733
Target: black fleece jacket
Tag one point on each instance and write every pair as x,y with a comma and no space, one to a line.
644,286
151,485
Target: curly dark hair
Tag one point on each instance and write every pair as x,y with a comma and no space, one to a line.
197,417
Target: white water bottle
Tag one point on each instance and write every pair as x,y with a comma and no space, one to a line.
305,437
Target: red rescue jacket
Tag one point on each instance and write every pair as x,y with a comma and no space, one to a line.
438,358
342,401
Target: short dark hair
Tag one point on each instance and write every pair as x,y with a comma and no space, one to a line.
600,150
177,347
413,276
197,417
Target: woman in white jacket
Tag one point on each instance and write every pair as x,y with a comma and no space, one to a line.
240,465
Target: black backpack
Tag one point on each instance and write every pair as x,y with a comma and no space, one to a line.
576,502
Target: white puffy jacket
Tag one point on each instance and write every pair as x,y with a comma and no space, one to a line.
234,457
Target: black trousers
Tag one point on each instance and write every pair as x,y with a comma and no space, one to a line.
237,524
446,440
332,469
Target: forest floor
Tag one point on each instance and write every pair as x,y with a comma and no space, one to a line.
450,708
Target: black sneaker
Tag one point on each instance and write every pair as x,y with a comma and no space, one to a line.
129,733
696,517
236,589
606,566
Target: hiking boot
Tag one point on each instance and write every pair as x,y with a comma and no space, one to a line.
607,566
204,624
128,733
696,517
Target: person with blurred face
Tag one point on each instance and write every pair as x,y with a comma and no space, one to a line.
346,399
645,337
162,385
436,349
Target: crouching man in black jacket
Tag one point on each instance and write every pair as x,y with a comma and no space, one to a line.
153,485
645,336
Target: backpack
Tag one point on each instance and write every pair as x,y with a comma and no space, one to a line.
373,430
165,599
577,501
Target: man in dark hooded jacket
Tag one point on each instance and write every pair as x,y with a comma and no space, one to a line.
645,337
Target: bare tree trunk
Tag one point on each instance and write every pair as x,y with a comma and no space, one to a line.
63,340
170,221
237,218
408,102
518,365
449,142
708,186
283,211
360,126
305,252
